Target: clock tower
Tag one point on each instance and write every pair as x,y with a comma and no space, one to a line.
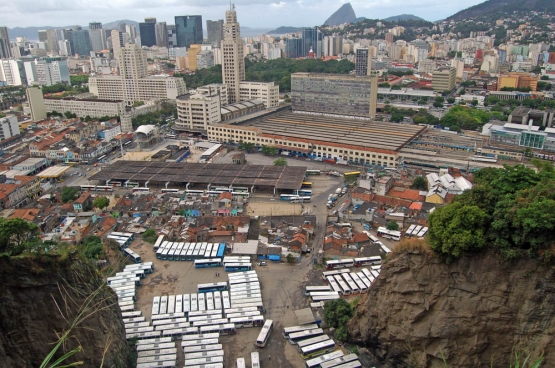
233,62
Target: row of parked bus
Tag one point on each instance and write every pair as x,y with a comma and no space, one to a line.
343,282
317,348
416,230
181,251
353,262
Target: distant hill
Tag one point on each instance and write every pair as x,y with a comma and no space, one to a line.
397,18
345,14
284,30
115,24
494,6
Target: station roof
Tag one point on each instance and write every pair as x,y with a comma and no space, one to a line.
278,177
319,129
54,171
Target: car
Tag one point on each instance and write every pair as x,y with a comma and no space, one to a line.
262,263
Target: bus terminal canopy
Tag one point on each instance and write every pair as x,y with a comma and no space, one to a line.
181,173
53,172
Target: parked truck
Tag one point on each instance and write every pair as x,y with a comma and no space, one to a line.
338,191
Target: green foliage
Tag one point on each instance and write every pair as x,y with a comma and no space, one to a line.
70,115
170,65
336,314
544,77
397,117
460,117
511,210
202,77
92,248
157,117
60,87
419,183
16,235
69,194
290,258
138,103
457,229
280,162
149,236
392,225
78,79
423,117
269,151
101,202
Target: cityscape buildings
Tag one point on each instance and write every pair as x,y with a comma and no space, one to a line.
147,30
215,30
79,41
97,36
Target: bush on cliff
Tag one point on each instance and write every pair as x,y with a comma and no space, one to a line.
511,210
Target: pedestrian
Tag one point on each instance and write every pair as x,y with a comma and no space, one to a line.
269,357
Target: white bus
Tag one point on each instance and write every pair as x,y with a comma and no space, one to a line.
255,359
210,321
205,314
324,298
204,354
240,274
243,314
225,300
389,234
157,358
325,274
316,362
409,231
156,305
143,335
361,285
140,190
194,302
309,289
337,263
172,326
168,316
200,348
132,255
368,261
198,343
157,341
342,284
155,352
164,364
239,310
253,287
264,334
252,321
290,330
364,279
169,321
320,348
243,280
225,329
177,333
352,285
158,242
207,362
334,285
422,232
339,361
241,363
171,304
306,334
201,337
217,300
214,286
311,341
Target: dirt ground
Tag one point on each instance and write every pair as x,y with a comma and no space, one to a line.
282,293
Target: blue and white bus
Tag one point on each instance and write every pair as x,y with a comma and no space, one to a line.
210,262
234,267
215,286
132,255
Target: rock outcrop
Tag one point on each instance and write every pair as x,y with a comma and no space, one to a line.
345,14
421,311
41,297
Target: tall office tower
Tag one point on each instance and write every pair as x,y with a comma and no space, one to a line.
362,61
117,43
172,36
148,32
96,35
5,49
215,29
42,35
161,34
79,41
64,47
233,63
132,64
188,30
293,48
312,39
52,41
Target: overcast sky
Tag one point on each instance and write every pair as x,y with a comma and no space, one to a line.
251,13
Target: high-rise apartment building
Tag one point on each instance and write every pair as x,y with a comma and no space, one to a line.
312,40
172,36
192,56
233,63
47,71
96,35
215,29
195,112
36,103
338,94
161,34
188,30
9,127
444,79
148,32
134,84
5,49
12,72
79,41
362,61
117,42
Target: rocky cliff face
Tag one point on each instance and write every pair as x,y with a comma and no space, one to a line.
40,298
421,311
345,14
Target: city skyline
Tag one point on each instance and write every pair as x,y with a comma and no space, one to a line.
277,13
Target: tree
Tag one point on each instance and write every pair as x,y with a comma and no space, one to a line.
474,102
544,77
92,247
14,234
336,314
419,183
280,162
458,229
290,258
69,194
451,100
149,236
101,202
397,117
438,104
392,225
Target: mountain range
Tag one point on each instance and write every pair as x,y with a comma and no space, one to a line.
490,7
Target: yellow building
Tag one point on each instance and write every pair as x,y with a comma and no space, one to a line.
436,195
192,56
517,81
